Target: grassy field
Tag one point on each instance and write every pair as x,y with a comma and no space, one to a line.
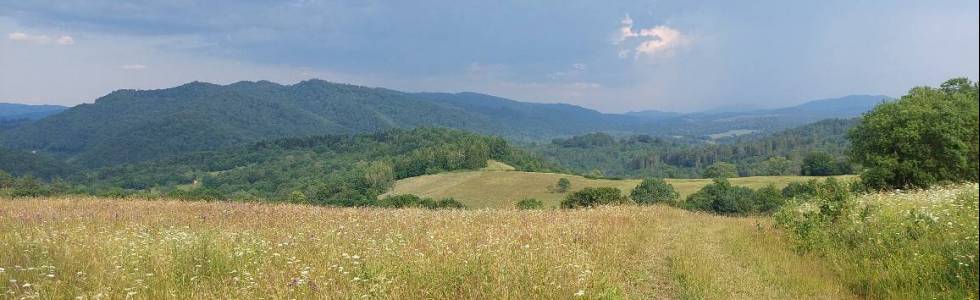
501,189
92,248
900,245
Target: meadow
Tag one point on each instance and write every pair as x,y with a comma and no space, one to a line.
499,188
920,244
99,248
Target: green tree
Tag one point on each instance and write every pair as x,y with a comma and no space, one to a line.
654,190
818,164
563,185
928,136
780,165
594,196
721,170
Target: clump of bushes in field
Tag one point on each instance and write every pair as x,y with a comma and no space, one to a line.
918,244
409,200
529,203
724,198
594,196
654,190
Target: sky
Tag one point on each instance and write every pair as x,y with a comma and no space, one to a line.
613,56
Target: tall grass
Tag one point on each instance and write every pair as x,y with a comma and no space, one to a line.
905,244
92,248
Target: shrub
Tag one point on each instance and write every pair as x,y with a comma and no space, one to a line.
204,194
801,189
28,186
448,203
721,170
590,197
654,190
297,197
768,199
926,137
398,201
529,203
6,180
409,200
722,197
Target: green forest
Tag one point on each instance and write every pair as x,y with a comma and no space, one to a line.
814,149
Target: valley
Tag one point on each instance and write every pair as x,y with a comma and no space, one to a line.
362,200
631,149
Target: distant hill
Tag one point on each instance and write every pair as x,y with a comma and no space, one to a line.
15,111
654,114
137,125
764,120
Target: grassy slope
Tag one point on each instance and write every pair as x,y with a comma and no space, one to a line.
501,189
63,248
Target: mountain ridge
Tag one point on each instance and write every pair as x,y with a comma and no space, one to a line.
130,125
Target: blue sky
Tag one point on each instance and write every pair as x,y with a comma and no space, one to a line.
614,57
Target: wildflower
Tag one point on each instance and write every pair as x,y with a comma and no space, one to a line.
580,293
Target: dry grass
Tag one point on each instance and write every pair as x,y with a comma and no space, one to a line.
501,189
86,247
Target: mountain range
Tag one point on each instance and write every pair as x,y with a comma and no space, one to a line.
137,125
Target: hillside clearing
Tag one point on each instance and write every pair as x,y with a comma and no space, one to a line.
69,247
501,189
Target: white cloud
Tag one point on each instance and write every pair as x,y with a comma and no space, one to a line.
39,38
133,67
65,40
29,38
657,41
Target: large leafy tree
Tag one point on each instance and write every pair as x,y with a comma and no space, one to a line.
926,137
654,190
721,170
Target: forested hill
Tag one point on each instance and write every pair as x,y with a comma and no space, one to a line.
14,111
320,168
130,125
781,153
22,163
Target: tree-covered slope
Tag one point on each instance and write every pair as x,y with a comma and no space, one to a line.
21,163
130,126
779,153
321,168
